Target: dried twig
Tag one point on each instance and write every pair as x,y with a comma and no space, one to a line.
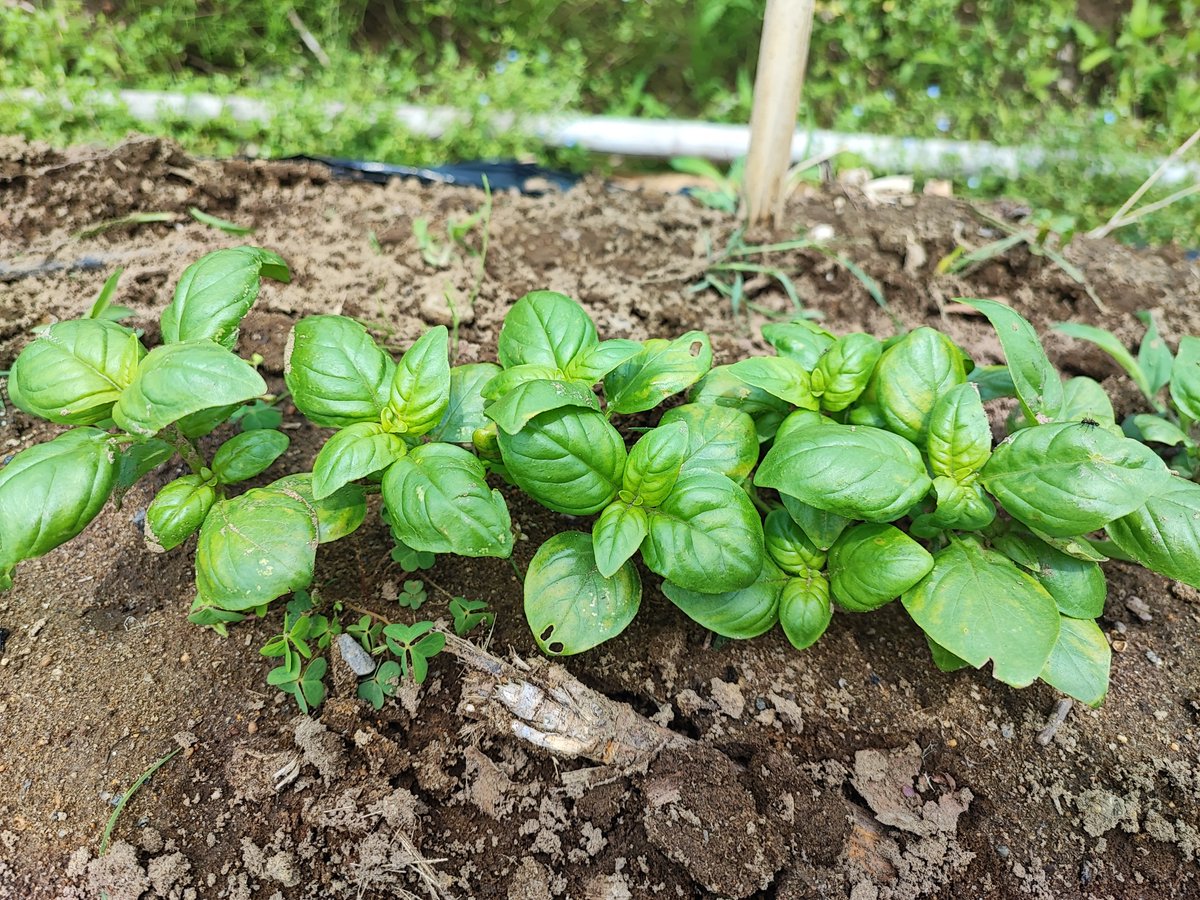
1061,710
1119,218
307,37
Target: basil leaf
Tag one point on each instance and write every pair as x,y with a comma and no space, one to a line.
960,439
1080,661
802,340
912,375
821,526
336,373
871,565
1163,534
50,492
788,546
845,369
356,451
1083,398
248,454
594,364
617,535
1067,480
720,387
779,376
547,329
943,658
1080,548
510,379
205,421
654,463
338,515
75,371
855,471
176,380
569,460
216,291
569,605
464,412
421,385
706,536
1185,378
804,610
140,458
993,382
1037,382
254,548
1155,429
660,369
978,605
1154,357
177,511
801,418
741,614
532,398
1108,342
1077,586
719,439
438,501
962,507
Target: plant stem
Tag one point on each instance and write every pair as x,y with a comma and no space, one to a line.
185,447
366,612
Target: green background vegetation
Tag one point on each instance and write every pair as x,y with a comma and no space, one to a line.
1105,81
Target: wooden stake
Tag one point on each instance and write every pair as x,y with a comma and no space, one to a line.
783,56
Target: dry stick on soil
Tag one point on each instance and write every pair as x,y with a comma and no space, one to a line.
1061,710
1120,218
307,37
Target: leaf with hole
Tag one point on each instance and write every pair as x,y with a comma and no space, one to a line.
569,605
660,369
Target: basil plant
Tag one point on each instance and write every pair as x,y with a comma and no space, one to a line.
130,410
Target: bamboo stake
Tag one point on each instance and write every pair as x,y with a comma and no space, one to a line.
783,56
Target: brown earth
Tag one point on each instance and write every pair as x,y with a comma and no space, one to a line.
851,769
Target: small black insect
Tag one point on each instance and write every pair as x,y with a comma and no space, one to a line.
1088,422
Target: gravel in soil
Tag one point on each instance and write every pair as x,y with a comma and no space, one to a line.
851,769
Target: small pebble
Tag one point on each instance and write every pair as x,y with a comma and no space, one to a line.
1138,607
1002,851
1174,747
1006,731
185,658
252,727
1121,739
760,704
952,743
1119,646
359,660
1154,658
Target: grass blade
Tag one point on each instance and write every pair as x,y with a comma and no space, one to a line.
123,222
128,795
224,224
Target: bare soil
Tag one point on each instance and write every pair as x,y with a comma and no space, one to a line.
852,769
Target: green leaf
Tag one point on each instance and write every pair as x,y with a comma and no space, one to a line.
75,371
821,526
140,458
959,441
1163,534
1108,342
845,369
592,365
943,658
660,369
1154,357
257,416
311,684
336,373
962,507
741,614
356,451
421,385
177,511
911,376
706,536
802,340
779,376
254,548
617,535
103,300
464,412
1157,430
177,380
216,291
719,439
532,398
978,605
50,492
248,454
338,515
1080,661
1067,480
205,421
1185,378
993,382
569,460
654,463
788,546
507,380
1037,382
438,501
1083,398
1077,586
858,472
569,605
804,610
547,329
872,565
720,387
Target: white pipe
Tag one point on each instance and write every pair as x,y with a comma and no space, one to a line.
663,138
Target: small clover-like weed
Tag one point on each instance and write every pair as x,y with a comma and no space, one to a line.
411,560
259,415
469,614
413,596
414,645
304,683
384,683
